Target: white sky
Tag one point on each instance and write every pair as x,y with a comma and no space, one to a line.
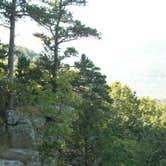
133,45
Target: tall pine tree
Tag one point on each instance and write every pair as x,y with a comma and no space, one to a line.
56,18
93,114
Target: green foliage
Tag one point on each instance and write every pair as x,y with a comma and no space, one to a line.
70,51
126,113
59,107
6,8
115,151
3,50
91,117
22,69
140,123
152,112
25,85
3,56
89,77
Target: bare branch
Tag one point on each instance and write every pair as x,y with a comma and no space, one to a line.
5,26
67,40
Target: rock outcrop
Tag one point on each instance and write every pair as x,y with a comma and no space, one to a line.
10,163
23,140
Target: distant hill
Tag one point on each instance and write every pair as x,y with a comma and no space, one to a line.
29,54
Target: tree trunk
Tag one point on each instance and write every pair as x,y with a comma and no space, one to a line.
86,150
11,54
56,44
55,63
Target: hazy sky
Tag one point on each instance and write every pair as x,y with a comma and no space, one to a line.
133,45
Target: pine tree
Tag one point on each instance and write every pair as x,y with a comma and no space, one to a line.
10,11
56,18
93,114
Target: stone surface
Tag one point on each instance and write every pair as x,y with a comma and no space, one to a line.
21,130
12,117
10,163
23,139
28,157
22,135
39,122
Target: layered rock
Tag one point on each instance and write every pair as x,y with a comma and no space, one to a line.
10,163
25,156
21,130
23,141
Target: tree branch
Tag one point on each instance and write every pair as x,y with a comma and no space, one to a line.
5,26
67,40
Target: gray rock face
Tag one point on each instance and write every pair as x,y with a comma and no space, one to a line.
26,156
23,140
39,121
12,117
10,163
21,130
22,135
